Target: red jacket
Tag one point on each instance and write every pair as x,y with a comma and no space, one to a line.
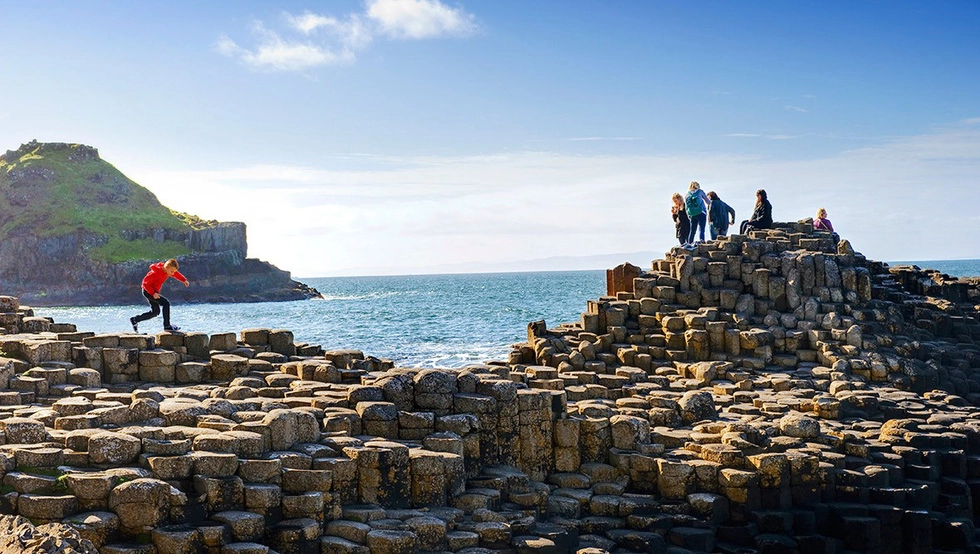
156,276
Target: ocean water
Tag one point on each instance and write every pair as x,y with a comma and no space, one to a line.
956,268
416,320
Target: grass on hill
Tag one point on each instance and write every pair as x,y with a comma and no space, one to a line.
56,190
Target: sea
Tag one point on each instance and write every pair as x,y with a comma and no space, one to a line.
415,320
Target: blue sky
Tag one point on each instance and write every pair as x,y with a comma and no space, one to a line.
419,135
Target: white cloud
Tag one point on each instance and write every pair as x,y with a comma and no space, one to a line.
758,135
418,19
588,139
274,53
309,22
890,200
312,40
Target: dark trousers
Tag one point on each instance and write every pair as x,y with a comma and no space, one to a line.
155,304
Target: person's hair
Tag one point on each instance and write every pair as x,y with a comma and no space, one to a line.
821,211
677,198
171,263
712,195
694,185
761,193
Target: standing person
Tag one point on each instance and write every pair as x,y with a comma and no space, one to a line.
821,223
720,216
682,224
159,272
761,216
697,209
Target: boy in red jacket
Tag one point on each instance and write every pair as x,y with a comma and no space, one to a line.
159,272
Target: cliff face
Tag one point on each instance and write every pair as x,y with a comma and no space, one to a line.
76,231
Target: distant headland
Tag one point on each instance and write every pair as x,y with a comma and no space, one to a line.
75,231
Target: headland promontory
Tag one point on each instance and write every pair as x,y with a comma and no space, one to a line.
75,231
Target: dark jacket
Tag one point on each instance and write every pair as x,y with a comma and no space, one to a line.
762,216
718,215
682,224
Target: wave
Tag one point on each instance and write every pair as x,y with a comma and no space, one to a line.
368,296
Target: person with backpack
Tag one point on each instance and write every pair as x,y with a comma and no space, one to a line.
696,205
720,216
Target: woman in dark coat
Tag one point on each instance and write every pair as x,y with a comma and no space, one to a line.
682,224
761,217
720,216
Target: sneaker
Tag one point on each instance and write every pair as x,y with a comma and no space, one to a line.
172,328
132,321
689,246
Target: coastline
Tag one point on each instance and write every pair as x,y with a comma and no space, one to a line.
774,373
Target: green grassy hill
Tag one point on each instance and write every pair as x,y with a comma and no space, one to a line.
56,189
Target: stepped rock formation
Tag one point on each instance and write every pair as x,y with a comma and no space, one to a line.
76,231
765,393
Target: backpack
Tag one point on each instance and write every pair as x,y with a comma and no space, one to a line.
693,203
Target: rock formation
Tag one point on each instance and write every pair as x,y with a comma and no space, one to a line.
763,393
76,231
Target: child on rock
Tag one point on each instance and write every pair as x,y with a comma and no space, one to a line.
159,272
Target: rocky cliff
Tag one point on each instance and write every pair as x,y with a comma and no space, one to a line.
76,231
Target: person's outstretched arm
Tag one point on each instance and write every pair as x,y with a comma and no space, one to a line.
180,277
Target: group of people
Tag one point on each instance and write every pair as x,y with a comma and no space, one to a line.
691,213
697,209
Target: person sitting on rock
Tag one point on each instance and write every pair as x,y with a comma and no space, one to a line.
720,216
761,217
152,283
821,223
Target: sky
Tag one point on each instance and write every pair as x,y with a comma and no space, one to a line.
411,136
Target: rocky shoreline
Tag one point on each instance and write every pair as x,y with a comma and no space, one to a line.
47,262
775,392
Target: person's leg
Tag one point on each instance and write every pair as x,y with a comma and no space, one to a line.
154,309
713,232
166,312
697,226
692,231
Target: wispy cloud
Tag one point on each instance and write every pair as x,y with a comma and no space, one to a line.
604,138
791,108
308,40
760,136
273,53
418,211
418,19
